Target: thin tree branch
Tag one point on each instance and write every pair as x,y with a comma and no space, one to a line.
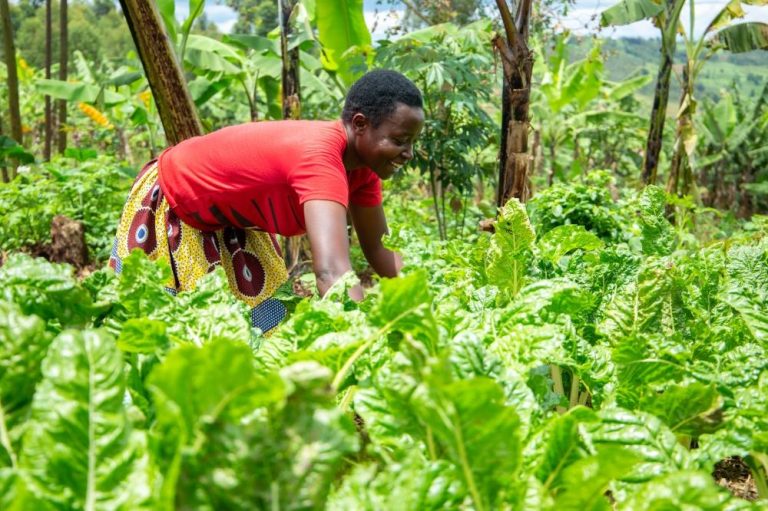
416,12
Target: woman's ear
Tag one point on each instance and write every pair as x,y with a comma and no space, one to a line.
360,123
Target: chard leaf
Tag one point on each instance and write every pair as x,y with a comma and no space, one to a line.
643,306
692,409
405,306
79,452
48,290
23,345
656,447
557,242
562,445
746,288
545,301
510,248
229,438
413,483
658,235
142,336
586,480
480,434
681,490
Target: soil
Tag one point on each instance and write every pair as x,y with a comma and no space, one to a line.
68,242
734,475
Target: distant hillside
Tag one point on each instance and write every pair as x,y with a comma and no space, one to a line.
746,72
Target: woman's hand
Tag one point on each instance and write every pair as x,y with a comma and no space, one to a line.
371,226
326,223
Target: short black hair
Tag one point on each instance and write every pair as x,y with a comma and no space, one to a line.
377,93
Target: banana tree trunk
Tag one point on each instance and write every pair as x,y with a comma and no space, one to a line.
174,102
48,134
10,62
291,108
658,117
291,95
517,63
680,166
661,95
63,59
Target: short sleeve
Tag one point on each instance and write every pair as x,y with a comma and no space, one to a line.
365,188
320,176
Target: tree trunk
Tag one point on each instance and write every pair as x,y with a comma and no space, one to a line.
291,109
63,59
658,117
680,165
164,74
291,92
661,95
13,80
517,62
48,134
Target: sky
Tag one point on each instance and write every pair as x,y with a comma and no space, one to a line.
582,18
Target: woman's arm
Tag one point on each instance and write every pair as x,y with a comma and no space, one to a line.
326,223
371,225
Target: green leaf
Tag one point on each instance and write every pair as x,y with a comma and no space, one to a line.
565,238
9,148
746,287
680,490
78,92
411,483
167,10
658,235
742,37
642,305
142,336
561,446
630,11
341,26
406,306
210,55
586,480
656,447
48,290
481,434
510,248
23,344
692,409
79,452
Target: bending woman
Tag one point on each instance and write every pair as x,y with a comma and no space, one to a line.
219,199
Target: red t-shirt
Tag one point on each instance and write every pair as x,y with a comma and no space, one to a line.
259,175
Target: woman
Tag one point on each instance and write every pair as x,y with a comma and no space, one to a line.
220,198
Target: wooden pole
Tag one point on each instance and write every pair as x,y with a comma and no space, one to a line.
174,102
63,59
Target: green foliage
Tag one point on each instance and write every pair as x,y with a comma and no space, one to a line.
586,202
92,191
440,390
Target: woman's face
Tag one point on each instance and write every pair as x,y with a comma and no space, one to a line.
387,147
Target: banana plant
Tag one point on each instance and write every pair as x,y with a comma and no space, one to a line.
731,151
583,118
666,16
344,35
720,34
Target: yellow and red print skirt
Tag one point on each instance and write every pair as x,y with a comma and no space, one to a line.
251,259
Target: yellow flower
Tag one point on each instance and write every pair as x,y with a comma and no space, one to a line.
96,116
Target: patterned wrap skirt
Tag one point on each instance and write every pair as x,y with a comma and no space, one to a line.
250,258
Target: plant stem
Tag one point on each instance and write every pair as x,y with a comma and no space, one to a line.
5,439
557,379
465,467
575,382
431,444
758,464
